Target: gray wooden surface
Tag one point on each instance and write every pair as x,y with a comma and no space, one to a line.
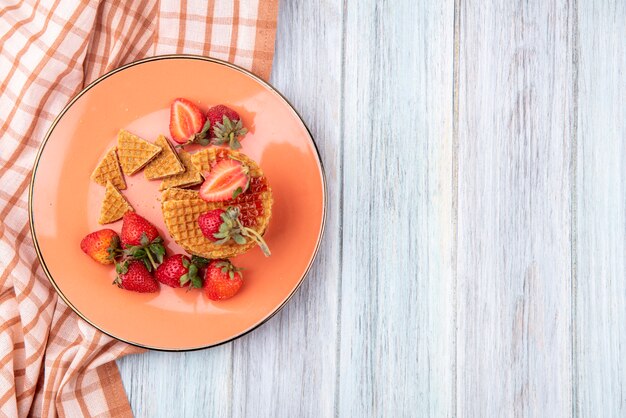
474,259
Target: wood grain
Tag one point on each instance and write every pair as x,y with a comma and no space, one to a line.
514,236
397,300
191,384
287,368
600,327
473,263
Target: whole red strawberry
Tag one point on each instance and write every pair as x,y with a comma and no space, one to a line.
103,245
222,280
216,114
210,222
135,276
179,270
141,241
133,228
222,226
226,126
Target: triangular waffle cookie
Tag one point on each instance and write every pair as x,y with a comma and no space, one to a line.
181,209
114,205
133,152
109,170
166,163
190,177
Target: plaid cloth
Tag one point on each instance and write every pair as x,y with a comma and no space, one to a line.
51,362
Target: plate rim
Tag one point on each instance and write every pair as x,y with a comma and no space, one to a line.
84,90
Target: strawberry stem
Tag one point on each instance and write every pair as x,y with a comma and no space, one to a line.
256,237
148,253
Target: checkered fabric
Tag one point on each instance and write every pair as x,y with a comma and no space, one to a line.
51,362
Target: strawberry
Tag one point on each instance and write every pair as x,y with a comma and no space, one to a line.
142,241
226,126
210,223
222,280
226,180
135,276
179,270
133,228
187,122
103,245
220,226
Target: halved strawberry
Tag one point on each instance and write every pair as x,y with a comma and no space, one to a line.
227,179
186,120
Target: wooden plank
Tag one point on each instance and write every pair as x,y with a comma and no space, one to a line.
397,304
287,368
514,248
179,384
601,210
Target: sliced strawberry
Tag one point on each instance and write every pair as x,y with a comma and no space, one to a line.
186,120
227,179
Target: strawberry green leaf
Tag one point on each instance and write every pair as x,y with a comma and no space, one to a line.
199,261
193,270
196,282
237,192
158,250
234,143
137,252
206,127
184,279
239,239
114,249
121,268
144,239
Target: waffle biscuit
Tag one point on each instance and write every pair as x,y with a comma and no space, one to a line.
133,152
166,163
181,219
114,205
181,209
109,169
190,177
175,193
204,159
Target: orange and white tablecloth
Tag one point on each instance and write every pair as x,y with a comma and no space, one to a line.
51,362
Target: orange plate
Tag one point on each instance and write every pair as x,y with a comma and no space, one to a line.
65,204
